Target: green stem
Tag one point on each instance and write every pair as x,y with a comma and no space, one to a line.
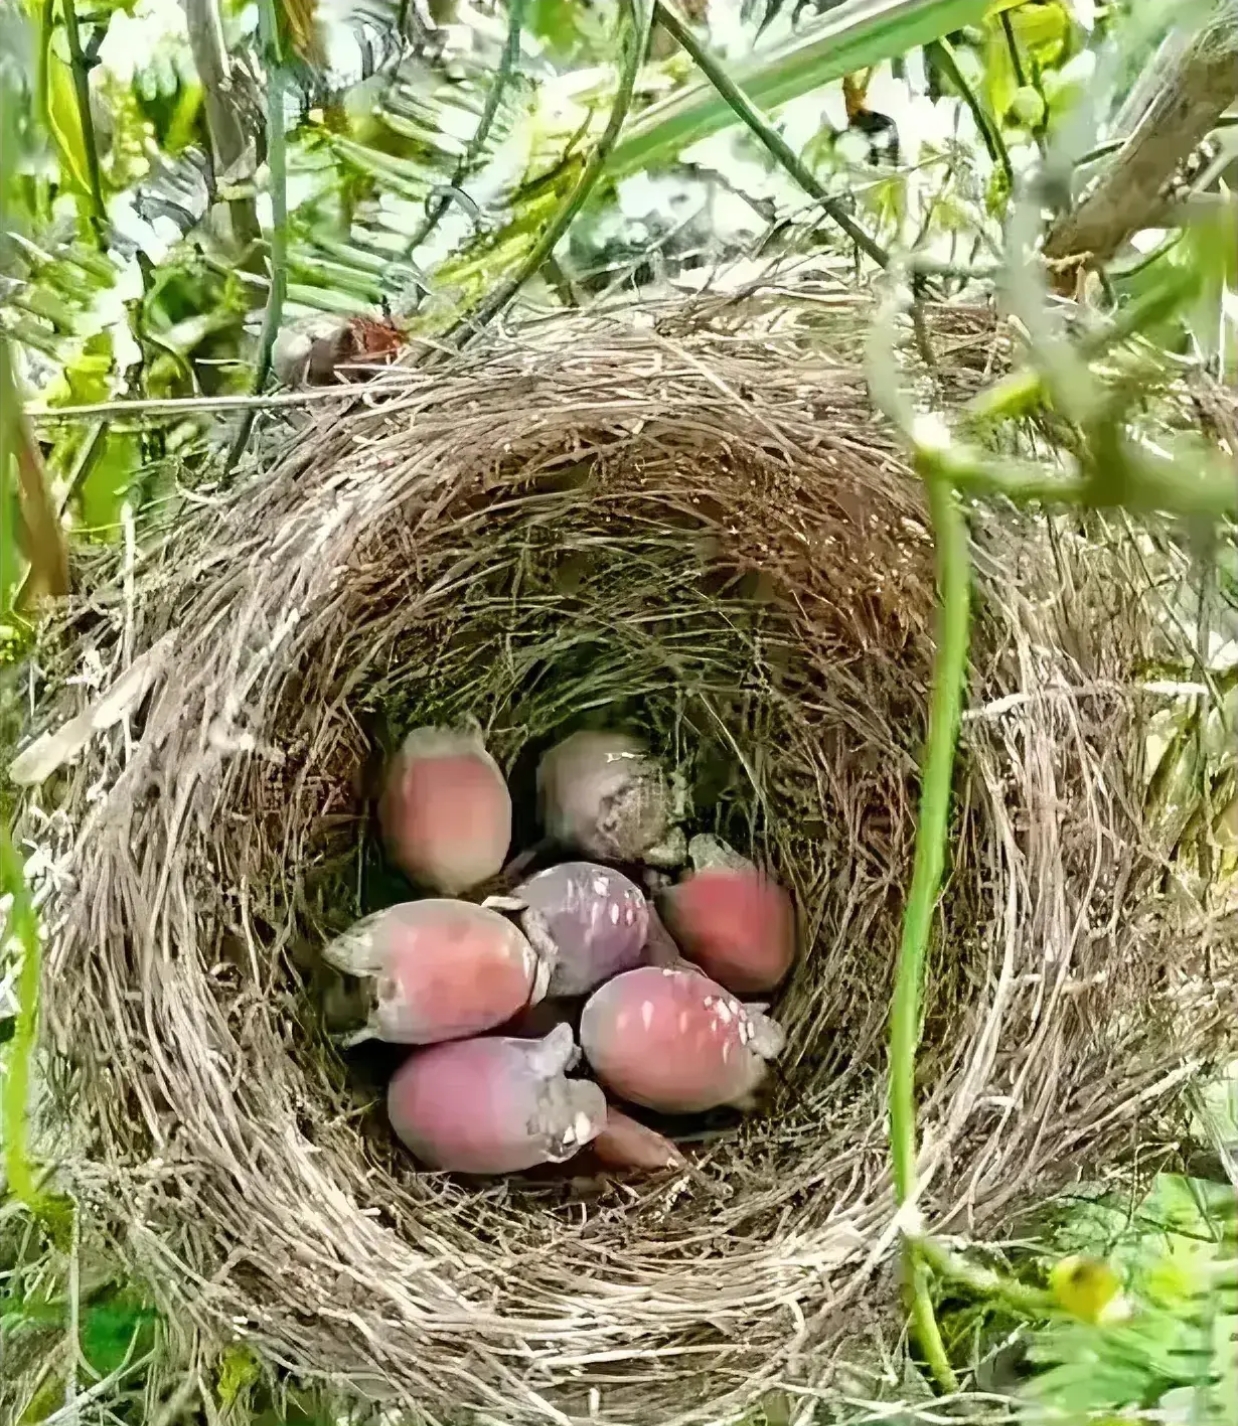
1017,393
639,28
990,132
507,67
22,928
924,1321
1021,79
1032,1302
949,671
81,89
769,136
277,168
1012,44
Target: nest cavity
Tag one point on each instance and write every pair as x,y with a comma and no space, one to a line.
691,523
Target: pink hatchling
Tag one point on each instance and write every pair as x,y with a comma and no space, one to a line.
627,1144
495,1105
590,920
675,1041
439,970
445,810
732,919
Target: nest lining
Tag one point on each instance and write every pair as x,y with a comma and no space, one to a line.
700,528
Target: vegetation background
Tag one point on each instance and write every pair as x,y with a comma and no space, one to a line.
194,193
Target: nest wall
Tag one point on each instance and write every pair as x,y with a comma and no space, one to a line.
696,523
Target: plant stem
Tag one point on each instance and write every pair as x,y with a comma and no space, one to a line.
932,828
769,136
990,132
507,67
1012,44
639,28
924,1321
23,928
224,123
1021,390
1032,1302
81,89
277,168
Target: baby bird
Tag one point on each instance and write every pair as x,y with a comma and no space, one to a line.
495,1105
625,1143
439,970
676,1041
602,794
445,810
592,922
731,919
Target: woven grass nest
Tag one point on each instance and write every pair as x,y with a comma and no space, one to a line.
689,521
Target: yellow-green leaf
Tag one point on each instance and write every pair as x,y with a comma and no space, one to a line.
851,37
65,123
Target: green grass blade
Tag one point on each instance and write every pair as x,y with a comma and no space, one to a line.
852,37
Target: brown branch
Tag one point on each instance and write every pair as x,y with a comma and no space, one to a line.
1196,90
39,532
233,151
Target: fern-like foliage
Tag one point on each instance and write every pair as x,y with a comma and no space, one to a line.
1173,1347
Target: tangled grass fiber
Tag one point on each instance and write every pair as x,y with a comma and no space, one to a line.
692,520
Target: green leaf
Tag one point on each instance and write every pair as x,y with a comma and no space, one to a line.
238,1371
559,23
111,475
110,1325
852,37
64,121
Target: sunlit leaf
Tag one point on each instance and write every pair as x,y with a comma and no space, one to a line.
850,37
59,105
107,485
238,1370
561,23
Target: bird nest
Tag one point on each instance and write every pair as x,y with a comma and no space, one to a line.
691,523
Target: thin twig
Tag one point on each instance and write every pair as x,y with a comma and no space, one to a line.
277,167
198,405
639,28
81,90
990,132
1012,44
932,828
769,136
224,121
507,67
